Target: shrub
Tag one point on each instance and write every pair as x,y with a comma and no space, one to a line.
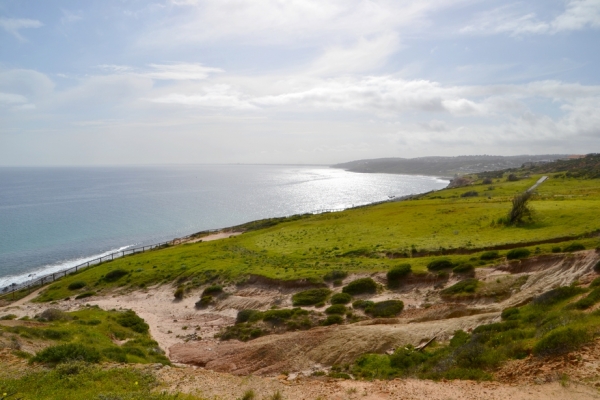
67,352
8,317
53,314
204,301
406,359
362,304
115,275
130,319
310,297
489,255
470,193
595,283
76,285
597,267
397,273
248,316
520,208
512,178
179,293
440,264
115,354
556,249
385,309
556,295
336,309
84,295
588,300
561,340
574,247
360,286
510,313
487,181
466,286
335,275
516,254
341,298
248,395
333,319
212,290
463,269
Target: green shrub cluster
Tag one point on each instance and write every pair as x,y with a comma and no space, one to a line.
470,193
76,285
67,352
85,295
336,309
490,255
561,340
463,269
385,309
115,275
310,297
335,275
574,247
592,298
397,273
129,319
519,253
340,298
440,264
333,319
466,287
360,286
556,295
362,304
212,290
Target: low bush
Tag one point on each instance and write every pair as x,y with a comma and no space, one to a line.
115,354
76,285
556,249
248,316
592,298
341,298
333,319
510,313
489,255
468,286
204,301
336,309
574,247
556,295
397,273
212,290
8,317
54,314
597,267
179,293
84,295
243,332
512,178
463,269
310,297
516,254
470,193
360,286
362,304
440,264
129,319
561,340
115,275
595,283
335,275
67,352
278,316
385,309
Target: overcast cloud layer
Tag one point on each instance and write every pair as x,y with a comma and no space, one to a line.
296,81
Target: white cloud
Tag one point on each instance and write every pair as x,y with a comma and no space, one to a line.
70,17
10,98
172,72
14,25
216,96
578,15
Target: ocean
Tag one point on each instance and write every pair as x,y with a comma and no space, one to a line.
54,218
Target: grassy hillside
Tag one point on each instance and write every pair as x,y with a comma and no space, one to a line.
369,238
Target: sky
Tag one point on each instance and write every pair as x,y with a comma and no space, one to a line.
119,82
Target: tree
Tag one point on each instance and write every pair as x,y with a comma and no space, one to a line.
520,208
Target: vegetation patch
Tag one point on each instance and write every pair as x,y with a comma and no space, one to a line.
463,269
519,253
490,255
311,297
397,273
335,275
67,352
440,264
557,295
336,309
462,288
360,286
574,247
115,275
560,341
385,309
76,285
130,319
84,295
340,298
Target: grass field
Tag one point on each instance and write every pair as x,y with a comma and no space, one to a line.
358,240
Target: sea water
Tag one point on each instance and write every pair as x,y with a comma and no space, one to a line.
55,218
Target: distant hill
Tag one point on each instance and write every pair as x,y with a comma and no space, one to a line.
585,167
446,166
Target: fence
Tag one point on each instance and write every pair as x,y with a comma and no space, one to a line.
13,288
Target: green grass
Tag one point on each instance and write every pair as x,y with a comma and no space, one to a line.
313,247
92,329
77,380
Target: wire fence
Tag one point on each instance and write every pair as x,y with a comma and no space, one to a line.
51,277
